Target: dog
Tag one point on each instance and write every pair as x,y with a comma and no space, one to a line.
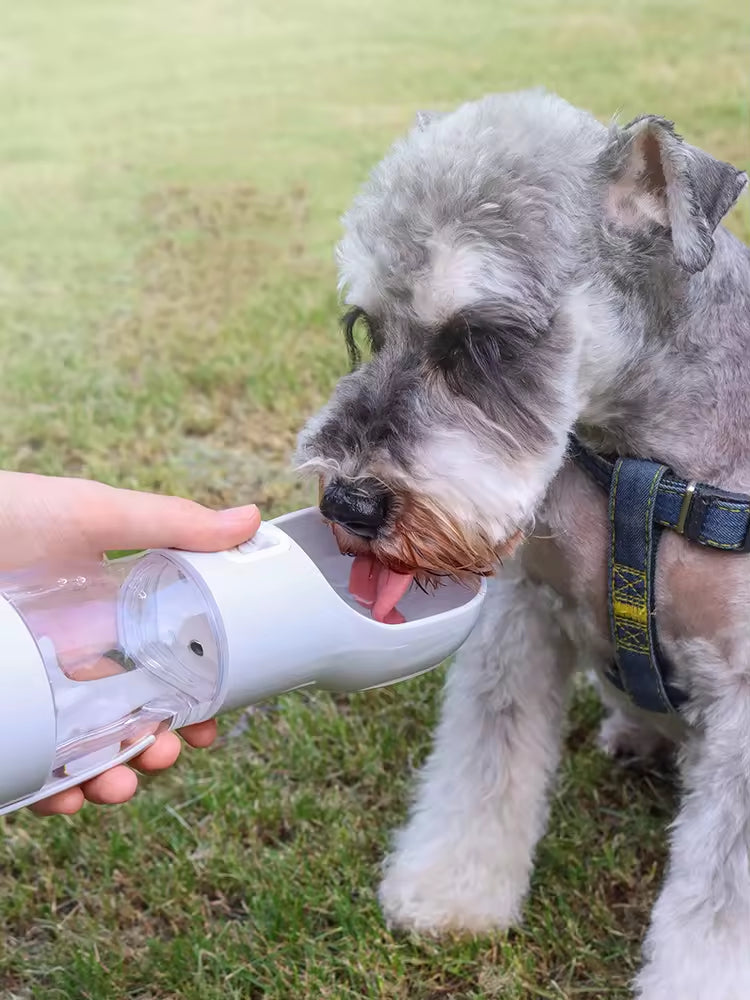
519,272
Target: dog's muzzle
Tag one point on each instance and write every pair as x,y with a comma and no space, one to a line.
406,532
360,507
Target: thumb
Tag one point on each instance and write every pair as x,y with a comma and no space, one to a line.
127,519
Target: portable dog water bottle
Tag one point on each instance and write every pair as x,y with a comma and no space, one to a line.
97,660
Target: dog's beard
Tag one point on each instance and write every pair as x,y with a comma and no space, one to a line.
424,542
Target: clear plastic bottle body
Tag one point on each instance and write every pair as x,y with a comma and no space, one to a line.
130,648
96,660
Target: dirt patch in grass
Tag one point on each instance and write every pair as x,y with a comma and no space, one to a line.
207,246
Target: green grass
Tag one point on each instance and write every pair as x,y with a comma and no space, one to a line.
172,174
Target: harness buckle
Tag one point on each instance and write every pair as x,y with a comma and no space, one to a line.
745,548
696,505
685,509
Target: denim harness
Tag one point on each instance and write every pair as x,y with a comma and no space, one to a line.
645,498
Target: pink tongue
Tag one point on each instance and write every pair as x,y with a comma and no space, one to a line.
379,588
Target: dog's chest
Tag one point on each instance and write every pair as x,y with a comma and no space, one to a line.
700,594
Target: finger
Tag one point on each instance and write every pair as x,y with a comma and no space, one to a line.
126,519
63,803
117,785
200,735
162,753
95,670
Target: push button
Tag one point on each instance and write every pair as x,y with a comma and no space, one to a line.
261,542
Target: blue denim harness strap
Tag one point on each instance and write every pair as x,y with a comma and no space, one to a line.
633,533
711,517
645,498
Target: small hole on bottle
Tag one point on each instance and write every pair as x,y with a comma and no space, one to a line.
195,647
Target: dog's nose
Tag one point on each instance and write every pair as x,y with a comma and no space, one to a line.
361,507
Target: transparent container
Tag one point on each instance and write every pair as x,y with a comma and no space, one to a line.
128,649
97,659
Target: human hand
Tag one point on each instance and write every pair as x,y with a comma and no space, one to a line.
45,518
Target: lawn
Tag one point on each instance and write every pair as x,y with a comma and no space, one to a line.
172,177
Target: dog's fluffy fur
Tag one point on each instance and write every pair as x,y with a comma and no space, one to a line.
523,271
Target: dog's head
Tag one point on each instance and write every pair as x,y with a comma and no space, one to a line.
437,448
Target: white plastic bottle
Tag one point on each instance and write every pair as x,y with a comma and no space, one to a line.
97,659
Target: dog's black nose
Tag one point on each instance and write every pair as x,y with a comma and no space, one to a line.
361,507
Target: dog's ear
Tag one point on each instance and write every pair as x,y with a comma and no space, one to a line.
653,177
424,118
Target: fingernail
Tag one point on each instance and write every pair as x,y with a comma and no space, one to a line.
240,513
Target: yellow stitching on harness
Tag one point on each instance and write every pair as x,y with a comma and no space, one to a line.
631,612
729,546
630,607
629,584
632,644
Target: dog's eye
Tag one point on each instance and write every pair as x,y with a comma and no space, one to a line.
361,335
463,345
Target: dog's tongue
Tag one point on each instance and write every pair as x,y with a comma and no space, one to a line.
375,586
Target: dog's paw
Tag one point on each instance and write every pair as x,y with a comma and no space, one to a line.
622,736
442,898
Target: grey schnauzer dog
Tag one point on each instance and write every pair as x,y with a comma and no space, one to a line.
523,271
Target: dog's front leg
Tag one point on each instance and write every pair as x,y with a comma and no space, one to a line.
464,859
698,945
